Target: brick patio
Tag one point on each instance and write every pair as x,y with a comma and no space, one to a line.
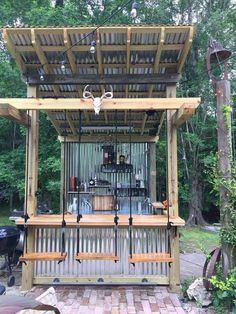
115,300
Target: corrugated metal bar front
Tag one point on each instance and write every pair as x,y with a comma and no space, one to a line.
145,240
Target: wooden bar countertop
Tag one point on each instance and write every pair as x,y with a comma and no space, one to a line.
101,221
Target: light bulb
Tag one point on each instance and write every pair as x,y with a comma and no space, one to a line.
133,13
134,8
92,48
63,68
41,77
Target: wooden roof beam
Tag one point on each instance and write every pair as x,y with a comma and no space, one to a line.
107,104
185,112
100,79
42,58
124,138
11,47
185,50
11,113
157,58
53,121
143,123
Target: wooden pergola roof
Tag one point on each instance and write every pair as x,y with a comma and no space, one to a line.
139,62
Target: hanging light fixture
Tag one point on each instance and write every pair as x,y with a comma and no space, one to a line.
134,8
93,47
63,67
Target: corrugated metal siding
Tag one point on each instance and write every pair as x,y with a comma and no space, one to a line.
91,156
102,240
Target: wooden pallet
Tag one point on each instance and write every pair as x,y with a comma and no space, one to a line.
43,256
151,257
96,256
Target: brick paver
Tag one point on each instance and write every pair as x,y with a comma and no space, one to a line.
116,300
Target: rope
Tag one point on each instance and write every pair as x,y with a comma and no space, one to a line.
116,218
130,194
79,216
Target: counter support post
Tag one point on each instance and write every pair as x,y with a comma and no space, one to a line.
32,162
174,274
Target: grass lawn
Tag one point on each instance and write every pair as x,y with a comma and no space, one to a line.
194,239
4,216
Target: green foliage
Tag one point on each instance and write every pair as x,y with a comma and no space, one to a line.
224,293
193,238
226,113
185,285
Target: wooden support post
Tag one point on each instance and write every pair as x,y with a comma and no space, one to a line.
153,172
32,161
62,175
174,273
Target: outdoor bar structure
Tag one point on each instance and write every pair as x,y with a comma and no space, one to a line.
112,227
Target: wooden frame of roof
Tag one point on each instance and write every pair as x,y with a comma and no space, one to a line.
138,61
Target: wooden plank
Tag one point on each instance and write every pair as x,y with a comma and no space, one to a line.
123,138
82,48
107,104
158,205
173,189
184,113
100,79
32,179
43,60
14,114
143,123
157,58
134,279
11,47
161,122
96,256
185,50
43,256
151,258
153,172
69,94
54,221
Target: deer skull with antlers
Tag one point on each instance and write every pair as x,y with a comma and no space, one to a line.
97,101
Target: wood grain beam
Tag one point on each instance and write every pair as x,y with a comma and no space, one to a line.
185,50
107,48
185,112
143,123
11,47
135,138
11,113
107,104
157,58
42,58
91,79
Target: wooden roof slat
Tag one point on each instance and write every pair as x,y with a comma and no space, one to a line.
185,50
42,58
157,58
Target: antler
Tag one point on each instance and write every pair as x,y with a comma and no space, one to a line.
87,94
108,94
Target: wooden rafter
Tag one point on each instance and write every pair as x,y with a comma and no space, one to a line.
42,58
157,58
101,79
124,138
143,123
107,104
184,113
98,94
54,122
105,48
71,124
185,50
10,46
14,114
161,122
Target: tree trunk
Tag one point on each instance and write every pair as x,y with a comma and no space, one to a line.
195,204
